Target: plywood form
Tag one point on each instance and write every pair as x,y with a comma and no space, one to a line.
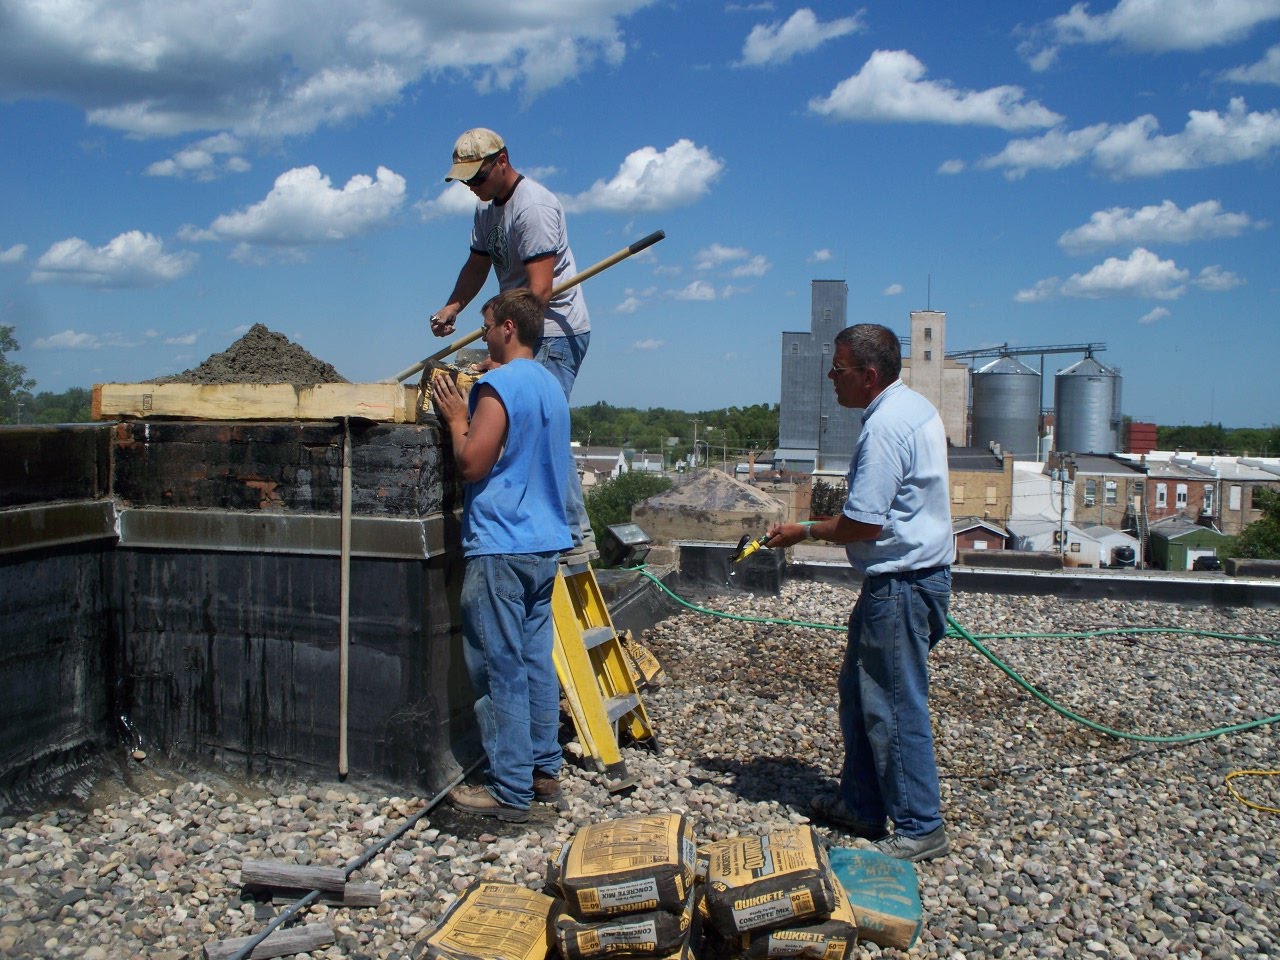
381,402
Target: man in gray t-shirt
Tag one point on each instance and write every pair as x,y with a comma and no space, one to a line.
519,232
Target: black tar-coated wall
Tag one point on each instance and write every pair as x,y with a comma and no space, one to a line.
177,586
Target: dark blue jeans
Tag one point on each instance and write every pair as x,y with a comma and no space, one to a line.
563,356
889,766
506,626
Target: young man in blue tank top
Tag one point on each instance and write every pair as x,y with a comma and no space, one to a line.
511,445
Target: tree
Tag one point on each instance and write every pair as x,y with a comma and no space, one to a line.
14,384
610,501
72,406
1261,539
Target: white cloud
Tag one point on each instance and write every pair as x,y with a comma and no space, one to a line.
14,254
1163,223
952,167
1051,151
303,209
455,200
1135,149
1217,280
1151,316
650,344
206,160
133,259
892,290
778,42
891,87
1143,274
717,255
756,266
1266,70
650,180
698,290
1165,24
68,340
820,256
182,340
279,67
1042,290
628,306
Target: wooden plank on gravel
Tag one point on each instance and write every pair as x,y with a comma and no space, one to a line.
281,943
351,895
294,876
381,402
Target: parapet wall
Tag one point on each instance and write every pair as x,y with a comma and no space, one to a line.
178,584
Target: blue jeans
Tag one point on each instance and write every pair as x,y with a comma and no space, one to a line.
507,633
889,765
563,357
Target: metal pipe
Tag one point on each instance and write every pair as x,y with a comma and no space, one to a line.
344,600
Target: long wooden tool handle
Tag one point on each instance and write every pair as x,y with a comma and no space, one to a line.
573,281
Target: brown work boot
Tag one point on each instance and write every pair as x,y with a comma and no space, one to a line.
481,803
546,787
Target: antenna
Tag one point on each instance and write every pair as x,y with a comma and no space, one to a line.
928,297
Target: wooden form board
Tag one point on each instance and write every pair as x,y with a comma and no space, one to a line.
382,402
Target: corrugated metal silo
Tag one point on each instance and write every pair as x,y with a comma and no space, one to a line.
1086,401
1006,407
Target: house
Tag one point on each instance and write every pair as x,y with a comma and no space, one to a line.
599,463
1106,488
981,483
1115,547
1174,487
974,533
1078,548
1228,491
1037,496
1177,541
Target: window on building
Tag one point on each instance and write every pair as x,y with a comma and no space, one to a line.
979,544
1090,492
1111,488
1162,496
957,493
1249,504
928,354
1233,498
823,424
826,314
928,333
826,349
1208,499
1180,496
795,348
991,496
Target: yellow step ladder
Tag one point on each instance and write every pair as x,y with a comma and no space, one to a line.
595,675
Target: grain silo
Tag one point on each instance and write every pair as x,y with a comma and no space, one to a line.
1006,407
1086,402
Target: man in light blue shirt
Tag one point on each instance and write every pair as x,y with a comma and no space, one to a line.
896,528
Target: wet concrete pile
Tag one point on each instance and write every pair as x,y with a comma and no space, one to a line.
260,356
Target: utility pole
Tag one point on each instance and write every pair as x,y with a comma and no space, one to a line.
695,445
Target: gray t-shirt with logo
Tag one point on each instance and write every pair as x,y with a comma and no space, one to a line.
528,226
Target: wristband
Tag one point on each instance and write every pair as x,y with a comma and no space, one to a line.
808,532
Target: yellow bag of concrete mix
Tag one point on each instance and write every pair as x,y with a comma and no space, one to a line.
494,921
829,939
628,865
758,883
654,933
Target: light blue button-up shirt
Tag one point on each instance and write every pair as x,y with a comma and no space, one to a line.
898,480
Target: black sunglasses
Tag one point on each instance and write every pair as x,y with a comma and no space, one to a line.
483,173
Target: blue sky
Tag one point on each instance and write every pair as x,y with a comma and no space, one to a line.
1046,173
